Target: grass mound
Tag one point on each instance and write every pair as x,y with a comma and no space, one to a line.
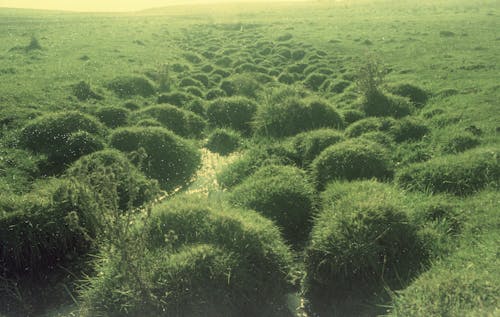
367,125
360,244
182,122
223,141
409,129
62,137
417,95
199,260
252,160
284,114
352,159
381,104
176,98
82,91
51,225
460,285
308,145
460,174
282,194
159,153
129,86
232,112
113,116
460,143
241,85
111,166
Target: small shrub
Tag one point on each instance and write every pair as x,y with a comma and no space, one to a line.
461,174
199,260
129,86
223,141
103,167
366,125
232,112
416,94
182,122
308,145
460,143
352,159
282,194
284,115
169,158
62,136
53,224
361,243
409,129
253,159
113,116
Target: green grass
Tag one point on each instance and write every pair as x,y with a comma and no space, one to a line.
442,54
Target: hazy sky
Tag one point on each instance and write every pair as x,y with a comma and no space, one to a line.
101,5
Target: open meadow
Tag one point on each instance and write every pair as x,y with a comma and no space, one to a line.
326,158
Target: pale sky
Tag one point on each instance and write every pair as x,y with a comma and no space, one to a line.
102,5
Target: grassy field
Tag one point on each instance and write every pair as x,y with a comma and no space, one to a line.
374,123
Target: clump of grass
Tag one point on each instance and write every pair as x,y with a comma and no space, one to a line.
352,115
382,104
314,81
132,187
182,122
224,141
460,285
241,85
52,224
367,125
198,259
409,129
129,86
170,159
461,174
232,112
283,194
82,91
350,160
417,95
62,136
215,93
361,243
460,143
113,116
308,145
254,158
176,98
284,113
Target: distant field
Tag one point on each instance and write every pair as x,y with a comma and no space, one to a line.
364,134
